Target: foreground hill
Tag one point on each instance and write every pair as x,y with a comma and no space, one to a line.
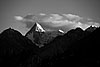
78,50
14,48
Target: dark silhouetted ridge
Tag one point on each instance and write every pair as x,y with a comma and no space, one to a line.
15,48
75,51
76,48
91,29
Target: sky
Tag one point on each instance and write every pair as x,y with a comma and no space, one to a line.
11,8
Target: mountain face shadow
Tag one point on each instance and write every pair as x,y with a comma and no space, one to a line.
75,48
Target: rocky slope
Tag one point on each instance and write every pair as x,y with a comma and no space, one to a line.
39,36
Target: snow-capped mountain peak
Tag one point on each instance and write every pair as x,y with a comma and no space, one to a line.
39,28
40,36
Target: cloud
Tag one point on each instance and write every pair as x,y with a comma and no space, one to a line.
73,17
42,14
94,23
18,18
25,20
56,16
69,20
57,20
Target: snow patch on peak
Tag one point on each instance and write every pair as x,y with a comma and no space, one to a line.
61,31
39,28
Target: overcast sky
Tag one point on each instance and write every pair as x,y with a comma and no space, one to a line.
11,8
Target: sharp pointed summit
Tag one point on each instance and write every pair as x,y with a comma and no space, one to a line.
39,36
36,28
35,33
39,27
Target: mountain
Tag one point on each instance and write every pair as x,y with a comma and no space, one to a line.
36,28
76,48
15,48
72,50
61,43
39,36
91,29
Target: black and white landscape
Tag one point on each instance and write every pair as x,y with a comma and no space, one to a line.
40,48
49,33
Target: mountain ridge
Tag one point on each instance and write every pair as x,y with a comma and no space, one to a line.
39,36
17,50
